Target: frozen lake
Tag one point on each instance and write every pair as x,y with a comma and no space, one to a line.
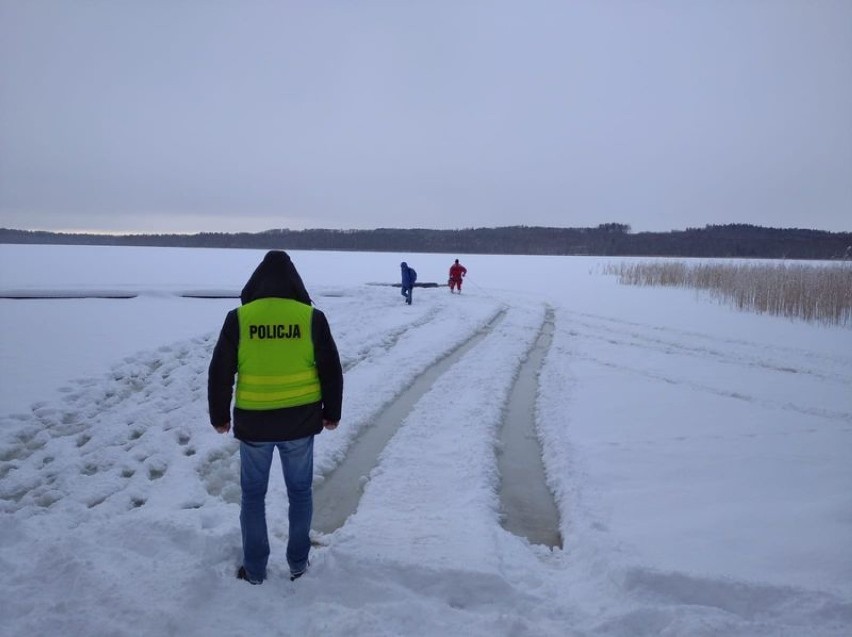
697,457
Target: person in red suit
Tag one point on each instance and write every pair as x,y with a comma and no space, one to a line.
457,272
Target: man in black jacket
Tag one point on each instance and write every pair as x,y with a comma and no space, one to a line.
289,387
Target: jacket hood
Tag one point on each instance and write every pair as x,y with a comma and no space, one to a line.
403,265
276,276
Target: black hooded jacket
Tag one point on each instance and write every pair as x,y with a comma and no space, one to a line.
276,276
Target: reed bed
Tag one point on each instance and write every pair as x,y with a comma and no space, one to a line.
817,293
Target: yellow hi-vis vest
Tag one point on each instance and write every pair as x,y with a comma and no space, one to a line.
275,358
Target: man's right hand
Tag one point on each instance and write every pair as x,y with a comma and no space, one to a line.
331,425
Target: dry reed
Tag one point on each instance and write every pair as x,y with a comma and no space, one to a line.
818,293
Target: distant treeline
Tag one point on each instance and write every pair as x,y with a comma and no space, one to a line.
610,239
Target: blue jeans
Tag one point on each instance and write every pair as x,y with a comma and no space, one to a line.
297,462
406,292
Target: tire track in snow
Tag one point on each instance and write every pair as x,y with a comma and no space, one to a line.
336,496
731,351
375,383
528,507
703,372
734,394
527,503
449,438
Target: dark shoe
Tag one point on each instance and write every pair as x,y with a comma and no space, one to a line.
243,575
294,575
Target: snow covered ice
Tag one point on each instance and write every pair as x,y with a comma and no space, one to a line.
698,457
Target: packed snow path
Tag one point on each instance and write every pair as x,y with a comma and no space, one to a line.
134,498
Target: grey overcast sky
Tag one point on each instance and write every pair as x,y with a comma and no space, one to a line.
215,115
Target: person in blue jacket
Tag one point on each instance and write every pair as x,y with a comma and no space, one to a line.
409,276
